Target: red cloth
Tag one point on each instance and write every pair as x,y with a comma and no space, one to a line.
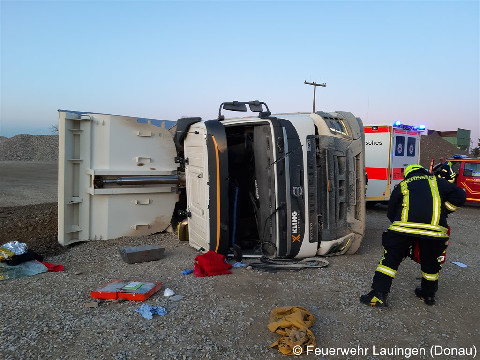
416,251
53,267
210,264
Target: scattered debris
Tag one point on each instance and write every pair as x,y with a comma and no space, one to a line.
138,254
28,255
176,298
187,271
147,311
12,248
53,267
168,292
128,290
273,265
91,304
210,264
458,263
28,268
292,323
239,265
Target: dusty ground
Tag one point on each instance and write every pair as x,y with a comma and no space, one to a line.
226,317
28,182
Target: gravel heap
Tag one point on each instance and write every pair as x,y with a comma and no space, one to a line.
435,147
29,148
45,148
35,225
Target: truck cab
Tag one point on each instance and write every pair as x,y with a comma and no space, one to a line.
284,186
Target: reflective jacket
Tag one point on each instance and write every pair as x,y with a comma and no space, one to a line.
419,205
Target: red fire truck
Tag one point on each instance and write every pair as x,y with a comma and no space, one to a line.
468,176
389,149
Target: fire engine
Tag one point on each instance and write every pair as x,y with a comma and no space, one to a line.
389,149
468,176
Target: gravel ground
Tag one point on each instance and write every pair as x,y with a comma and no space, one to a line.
28,182
226,317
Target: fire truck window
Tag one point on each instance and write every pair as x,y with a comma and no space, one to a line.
471,169
411,146
456,166
399,145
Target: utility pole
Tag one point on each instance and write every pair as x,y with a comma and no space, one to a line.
314,89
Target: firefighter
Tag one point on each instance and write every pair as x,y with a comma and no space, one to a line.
418,209
446,172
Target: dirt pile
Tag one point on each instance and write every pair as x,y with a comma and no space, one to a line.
34,225
435,147
29,148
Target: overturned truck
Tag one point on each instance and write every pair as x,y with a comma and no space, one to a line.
285,185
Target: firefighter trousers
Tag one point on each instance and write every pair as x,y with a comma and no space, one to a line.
397,247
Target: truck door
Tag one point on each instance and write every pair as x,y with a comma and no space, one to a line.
469,179
405,152
108,179
399,157
206,170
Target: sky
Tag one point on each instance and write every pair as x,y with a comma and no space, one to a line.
413,61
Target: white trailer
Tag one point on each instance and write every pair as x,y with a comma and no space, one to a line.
286,186
389,149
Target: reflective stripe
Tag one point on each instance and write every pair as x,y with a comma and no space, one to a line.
418,231
430,277
420,226
406,201
411,168
375,300
386,270
436,201
218,192
450,206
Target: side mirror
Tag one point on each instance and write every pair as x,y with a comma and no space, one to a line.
255,106
235,106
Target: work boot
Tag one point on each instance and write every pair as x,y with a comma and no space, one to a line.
429,300
375,298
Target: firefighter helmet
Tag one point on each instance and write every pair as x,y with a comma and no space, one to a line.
411,168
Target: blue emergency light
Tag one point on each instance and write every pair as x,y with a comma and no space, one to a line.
397,123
